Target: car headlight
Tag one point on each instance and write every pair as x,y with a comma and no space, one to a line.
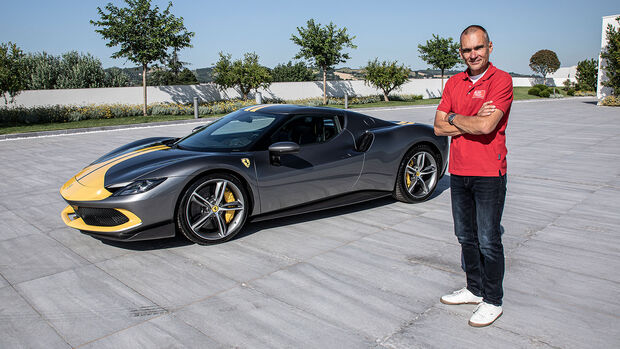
137,187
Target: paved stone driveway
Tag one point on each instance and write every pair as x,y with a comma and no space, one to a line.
365,276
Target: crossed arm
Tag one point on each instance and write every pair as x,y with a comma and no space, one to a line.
484,122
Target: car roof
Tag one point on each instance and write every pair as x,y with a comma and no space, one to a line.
286,109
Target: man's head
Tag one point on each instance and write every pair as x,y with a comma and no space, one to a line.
475,49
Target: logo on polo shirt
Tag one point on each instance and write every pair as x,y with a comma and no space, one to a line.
479,93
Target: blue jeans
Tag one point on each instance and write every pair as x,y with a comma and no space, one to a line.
477,206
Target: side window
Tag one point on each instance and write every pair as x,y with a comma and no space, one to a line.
308,130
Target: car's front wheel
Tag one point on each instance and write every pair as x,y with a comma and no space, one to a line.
213,209
417,175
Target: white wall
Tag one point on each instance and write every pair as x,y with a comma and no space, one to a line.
564,73
428,88
603,91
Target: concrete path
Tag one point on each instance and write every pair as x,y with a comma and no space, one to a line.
365,276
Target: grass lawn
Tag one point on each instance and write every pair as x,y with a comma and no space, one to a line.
130,120
520,93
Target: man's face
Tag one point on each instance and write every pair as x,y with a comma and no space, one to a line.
475,51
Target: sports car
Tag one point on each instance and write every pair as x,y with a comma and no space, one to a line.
260,162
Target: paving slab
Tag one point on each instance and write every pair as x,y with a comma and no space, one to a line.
246,318
165,331
235,259
44,217
347,302
169,280
86,304
22,327
34,256
93,250
14,226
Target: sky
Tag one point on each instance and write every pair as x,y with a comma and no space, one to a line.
387,30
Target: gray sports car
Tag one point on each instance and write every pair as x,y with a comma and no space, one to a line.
260,162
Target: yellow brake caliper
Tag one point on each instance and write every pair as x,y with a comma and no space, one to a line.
410,164
229,197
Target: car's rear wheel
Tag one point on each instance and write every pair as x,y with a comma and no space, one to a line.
213,209
417,175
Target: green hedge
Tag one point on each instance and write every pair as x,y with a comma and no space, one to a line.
58,114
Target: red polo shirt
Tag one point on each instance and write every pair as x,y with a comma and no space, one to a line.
478,155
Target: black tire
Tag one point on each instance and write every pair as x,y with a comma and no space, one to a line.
418,174
213,209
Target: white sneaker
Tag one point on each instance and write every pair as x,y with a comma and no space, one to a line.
485,314
462,296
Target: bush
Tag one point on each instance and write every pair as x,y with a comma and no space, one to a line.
585,93
545,93
611,101
534,91
541,87
570,92
53,114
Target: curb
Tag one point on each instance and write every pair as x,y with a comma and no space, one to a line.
99,129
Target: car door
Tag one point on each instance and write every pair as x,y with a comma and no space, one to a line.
326,164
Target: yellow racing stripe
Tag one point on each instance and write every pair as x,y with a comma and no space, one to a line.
88,184
257,107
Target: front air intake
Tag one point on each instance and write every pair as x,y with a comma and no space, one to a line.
102,217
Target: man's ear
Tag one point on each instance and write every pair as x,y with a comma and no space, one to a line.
490,46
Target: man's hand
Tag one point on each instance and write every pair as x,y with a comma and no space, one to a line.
486,109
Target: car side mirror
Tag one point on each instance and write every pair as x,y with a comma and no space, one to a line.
281,148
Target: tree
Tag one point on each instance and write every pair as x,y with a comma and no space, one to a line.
80,71
440,53
245,74
115,77
587,74
42,71
322,46
292,72
611,54
544,62
173,73
11,72
70,70
385,76
144,34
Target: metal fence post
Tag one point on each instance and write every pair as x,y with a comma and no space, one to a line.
259,98
195,107
346,101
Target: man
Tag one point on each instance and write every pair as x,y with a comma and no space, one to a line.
474,110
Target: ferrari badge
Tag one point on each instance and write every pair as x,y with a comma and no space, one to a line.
246,162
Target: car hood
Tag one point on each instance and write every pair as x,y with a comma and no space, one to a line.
91,182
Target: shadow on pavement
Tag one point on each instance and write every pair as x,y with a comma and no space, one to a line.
251,228
591,102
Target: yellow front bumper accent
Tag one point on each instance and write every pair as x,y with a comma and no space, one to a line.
68,216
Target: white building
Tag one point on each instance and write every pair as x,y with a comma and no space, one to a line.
602,91
564,73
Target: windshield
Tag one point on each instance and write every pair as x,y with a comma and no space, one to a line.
234,132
